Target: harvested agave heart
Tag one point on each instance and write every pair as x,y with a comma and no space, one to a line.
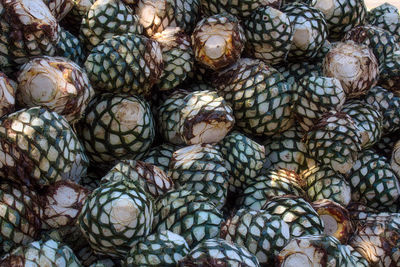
388,104
354,65
201,168
287,151
177,56
390,73
39,147
218,41
381,42
316,96
157,15
269,34
274,183
309,31
244,159
341,15
27,29
7,95
195,117
387,17
373,182
164,248
105,19
297,213
56,83
334,141
189,214
259,96
115,216
368,121
128,63
116,127
260,232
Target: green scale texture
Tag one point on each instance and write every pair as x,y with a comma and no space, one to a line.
189,214
324,183
106,19
316,95
244,159
303,17
387,17
39,253
70,47
287,151
126,63
104,221
242,8
269,34
390,73
19,216
259,96
160,249
161,155
344,16
367,119
382,42
260,232
218,251
201,168
109,132
297,213
38,147
273,183
373,182
388,104
335,141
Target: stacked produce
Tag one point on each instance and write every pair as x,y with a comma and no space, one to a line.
199,133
